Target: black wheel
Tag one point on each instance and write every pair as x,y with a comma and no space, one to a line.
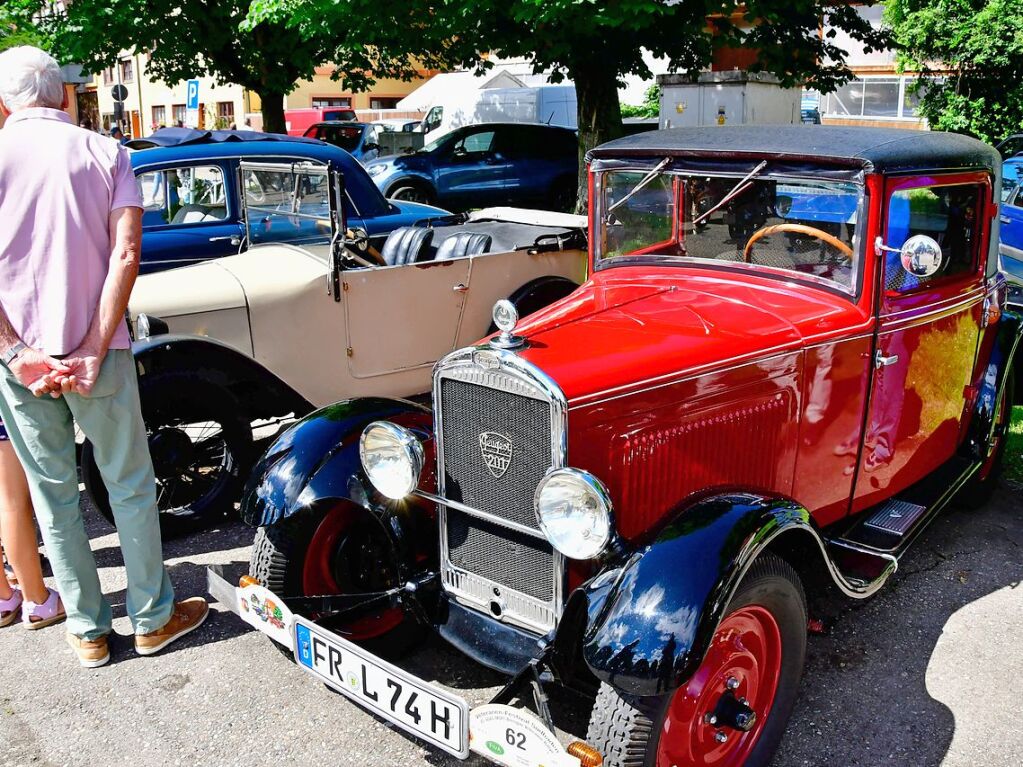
755,657
978,491
201,445
340,552
411,192
563,195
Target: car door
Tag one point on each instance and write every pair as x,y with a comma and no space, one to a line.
474,173
928,330
189,214
402,317
1010,246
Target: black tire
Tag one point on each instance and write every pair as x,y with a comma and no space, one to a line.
412,191
278,559
201,444
977,492
626,730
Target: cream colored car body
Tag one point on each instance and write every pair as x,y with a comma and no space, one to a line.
391,324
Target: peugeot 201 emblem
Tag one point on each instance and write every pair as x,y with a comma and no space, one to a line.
497,452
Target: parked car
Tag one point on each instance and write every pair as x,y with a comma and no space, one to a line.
644,491
399,125
1011,218
484,165
193,207
539,105
281,329
297,121
360,140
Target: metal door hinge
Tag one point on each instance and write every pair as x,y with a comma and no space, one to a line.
344,286
881,361
350,351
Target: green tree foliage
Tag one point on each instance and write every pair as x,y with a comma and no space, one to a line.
17,26
197,38
975,48
651,106
596,44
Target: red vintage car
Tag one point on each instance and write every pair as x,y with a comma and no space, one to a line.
793,350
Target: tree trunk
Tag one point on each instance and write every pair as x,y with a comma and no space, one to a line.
272,107
599,113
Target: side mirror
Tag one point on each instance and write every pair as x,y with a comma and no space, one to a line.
921,256
370,146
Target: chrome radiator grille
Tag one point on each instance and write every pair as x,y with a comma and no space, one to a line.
499,432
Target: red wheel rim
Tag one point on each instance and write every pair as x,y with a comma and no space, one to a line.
1000,421
745,653
320,574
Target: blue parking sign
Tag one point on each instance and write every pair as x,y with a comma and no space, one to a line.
192,102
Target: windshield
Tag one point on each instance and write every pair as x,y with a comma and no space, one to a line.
287,202
803,226
345,136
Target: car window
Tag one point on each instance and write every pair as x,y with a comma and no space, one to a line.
185,195
1011,176
475,143
948,215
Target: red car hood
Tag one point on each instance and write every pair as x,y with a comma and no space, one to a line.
622,331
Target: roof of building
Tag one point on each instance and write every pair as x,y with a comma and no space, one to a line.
872,149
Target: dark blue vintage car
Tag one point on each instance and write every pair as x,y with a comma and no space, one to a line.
189,183
484,165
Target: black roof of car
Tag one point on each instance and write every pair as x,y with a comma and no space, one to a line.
189,136
884,150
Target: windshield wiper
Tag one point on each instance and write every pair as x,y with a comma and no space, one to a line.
654,173
744,184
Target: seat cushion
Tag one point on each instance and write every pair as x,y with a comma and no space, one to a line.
406,245
463,244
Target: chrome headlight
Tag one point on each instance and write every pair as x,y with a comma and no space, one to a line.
376,170
147,326
392,458
574,512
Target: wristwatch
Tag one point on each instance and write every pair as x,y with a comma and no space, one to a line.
11,354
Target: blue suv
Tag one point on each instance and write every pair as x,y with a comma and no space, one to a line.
193,212
484,165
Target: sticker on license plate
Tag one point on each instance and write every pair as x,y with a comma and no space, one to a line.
423,709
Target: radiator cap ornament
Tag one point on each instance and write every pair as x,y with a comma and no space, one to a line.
506,317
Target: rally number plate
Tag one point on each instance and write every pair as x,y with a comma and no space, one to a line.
423,709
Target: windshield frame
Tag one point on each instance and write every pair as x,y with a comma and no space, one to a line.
599,262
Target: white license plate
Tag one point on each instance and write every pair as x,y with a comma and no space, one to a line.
421,708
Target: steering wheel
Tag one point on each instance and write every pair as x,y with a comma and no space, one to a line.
358,249
820,234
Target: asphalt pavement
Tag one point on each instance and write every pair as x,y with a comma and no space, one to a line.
927,673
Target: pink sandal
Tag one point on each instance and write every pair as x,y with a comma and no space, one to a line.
9,608
36,616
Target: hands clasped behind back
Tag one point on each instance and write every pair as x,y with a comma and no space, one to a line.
42,374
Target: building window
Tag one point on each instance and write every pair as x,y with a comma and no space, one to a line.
885,98
108,76
383,102
225,113
159,117
178,113
127,71
320,102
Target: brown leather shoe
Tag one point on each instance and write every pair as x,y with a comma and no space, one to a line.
188,615
92,653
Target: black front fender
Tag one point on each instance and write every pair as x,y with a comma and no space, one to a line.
651,619
260,393
318,459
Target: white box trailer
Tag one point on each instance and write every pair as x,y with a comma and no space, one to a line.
726,98
544,104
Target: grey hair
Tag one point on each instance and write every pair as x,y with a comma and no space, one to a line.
30,77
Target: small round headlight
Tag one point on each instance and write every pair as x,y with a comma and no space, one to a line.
392,458
574,512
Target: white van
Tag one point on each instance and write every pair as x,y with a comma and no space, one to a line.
545,104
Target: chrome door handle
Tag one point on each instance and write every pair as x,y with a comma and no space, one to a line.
1005,219
234,238
881,361
460,288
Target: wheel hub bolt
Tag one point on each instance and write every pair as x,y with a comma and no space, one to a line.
710,719
732,683
720,737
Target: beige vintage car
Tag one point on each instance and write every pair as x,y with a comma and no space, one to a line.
281,329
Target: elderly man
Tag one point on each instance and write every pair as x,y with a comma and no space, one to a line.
69,255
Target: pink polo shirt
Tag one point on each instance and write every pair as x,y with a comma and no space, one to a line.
58,184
